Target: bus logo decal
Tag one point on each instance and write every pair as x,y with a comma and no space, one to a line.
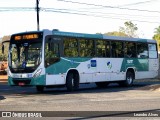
93,63
130,61
109,65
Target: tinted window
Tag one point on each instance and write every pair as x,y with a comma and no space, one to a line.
142,50
130,49
70,47
86,48
117,49
102,48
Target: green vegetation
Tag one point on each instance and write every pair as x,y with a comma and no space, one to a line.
129,30
3,57
157,36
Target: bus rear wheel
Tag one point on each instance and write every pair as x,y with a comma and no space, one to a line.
129,80
72,81
40,88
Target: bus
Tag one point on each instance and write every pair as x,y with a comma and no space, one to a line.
52,58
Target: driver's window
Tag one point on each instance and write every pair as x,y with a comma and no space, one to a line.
51,52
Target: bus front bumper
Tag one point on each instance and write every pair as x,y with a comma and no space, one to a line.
40,80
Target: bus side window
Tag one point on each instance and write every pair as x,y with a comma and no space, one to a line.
130,49
152,50
100,48
142,50
108,54
86,48
117,49
70,47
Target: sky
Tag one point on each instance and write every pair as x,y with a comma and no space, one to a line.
84,16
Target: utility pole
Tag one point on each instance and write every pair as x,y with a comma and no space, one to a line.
37,9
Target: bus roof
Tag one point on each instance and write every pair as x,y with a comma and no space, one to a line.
96,36
73,34
100,36
128,39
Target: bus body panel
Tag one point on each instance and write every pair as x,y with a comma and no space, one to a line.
41,80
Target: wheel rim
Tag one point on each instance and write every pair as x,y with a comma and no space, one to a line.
72,82
129,79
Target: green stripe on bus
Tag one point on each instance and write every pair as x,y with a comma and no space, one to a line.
64,64
139,64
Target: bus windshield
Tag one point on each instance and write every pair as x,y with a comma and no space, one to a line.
24,57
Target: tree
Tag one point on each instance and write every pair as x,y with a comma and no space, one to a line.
157,37
5,38
3,57
157,30
116,33
129,29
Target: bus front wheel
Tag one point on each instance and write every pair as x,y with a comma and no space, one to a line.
72,81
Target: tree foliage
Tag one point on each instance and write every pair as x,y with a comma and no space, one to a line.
157,37
129,29
3,57
5,38
157,30
116,33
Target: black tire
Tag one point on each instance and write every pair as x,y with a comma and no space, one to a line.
102,84
129,80
40,88
72,81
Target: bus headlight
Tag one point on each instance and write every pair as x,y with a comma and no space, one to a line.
37,73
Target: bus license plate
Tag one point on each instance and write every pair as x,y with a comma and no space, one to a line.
21,84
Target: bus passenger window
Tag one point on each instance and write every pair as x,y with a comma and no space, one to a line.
152,51
70,47
100,46
130,50
117,49
86,48
142,50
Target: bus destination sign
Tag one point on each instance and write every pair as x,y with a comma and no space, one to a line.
26,37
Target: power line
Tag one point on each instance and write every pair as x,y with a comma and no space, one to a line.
104,6
23,9
81,12
137,3
85,14
102,13
17,9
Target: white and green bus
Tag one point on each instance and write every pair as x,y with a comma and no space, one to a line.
55,58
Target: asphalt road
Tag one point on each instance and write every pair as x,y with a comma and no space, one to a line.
143,96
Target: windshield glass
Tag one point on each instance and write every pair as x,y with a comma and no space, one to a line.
24,57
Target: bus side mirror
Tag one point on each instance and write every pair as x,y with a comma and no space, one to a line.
2,49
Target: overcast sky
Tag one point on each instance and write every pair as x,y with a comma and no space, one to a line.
84,16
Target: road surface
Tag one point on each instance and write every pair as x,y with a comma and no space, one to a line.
143,96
